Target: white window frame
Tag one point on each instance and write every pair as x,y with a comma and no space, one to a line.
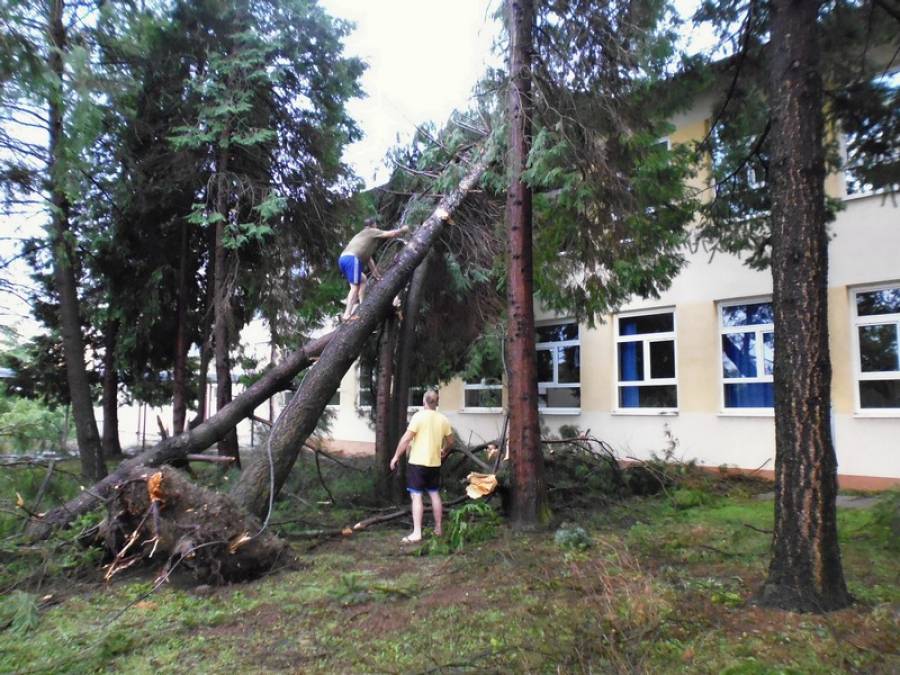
481,386
760,330
846,168
556,384
336,406
858,374
359,389
646,338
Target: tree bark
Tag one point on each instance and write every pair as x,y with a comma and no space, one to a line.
529,492
805,572
298,419
182,344
197,439
110,440
403,378
228,445
64,260
387,349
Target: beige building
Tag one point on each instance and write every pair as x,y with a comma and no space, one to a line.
694,367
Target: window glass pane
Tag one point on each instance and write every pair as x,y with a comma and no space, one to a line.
483,398
568,364
664,396
560,397
545,365
648,323
769,353
739,355
631,361
559,332
750,395
336,399
747,315
662,359
365,397
879,394
878,348
878,302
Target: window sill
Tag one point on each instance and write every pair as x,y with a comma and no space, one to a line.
654,412
559,411
885,413
747,412
481,411
862,195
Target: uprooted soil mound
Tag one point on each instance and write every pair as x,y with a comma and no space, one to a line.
158,515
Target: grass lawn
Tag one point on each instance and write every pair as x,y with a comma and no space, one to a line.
660,584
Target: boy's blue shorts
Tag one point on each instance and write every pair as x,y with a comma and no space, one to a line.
351,267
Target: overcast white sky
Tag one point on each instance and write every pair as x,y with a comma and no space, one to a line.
424,57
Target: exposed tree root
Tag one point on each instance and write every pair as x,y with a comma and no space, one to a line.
160,515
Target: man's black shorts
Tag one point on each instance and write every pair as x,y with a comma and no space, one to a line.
421,479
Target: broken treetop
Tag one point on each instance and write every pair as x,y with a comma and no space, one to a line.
363,244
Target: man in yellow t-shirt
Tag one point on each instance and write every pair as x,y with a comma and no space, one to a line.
430,435
358,255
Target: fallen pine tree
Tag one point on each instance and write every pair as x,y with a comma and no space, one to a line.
177,448
264,475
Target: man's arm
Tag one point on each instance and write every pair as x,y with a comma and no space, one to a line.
402,447
446,444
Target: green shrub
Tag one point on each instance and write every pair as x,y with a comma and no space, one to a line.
27,424
470,524
572,537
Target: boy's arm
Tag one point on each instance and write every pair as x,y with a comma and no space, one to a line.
392,234
402,447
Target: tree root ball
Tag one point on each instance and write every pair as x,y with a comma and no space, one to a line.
159,515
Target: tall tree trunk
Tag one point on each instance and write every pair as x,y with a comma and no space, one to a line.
228,446
206,337
265,474
403,378
182,344
387,349
64,261
805,573
529,493
276,379
110,440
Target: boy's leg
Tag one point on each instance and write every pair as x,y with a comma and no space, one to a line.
351,300
418,510
437,507
362,287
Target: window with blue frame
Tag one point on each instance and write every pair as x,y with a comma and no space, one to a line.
645,359
877,325
558,347
748,353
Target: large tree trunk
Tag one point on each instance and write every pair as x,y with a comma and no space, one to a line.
805,572
206,338
387,349
182,344
529,493
197,439
110,441
403,377
64,262
263,478
228,445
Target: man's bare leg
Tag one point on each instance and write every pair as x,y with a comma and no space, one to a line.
418,510
437,507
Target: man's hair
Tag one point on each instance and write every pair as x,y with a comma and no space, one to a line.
430,399
371,222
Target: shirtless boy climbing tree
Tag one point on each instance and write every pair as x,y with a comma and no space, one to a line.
358,254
